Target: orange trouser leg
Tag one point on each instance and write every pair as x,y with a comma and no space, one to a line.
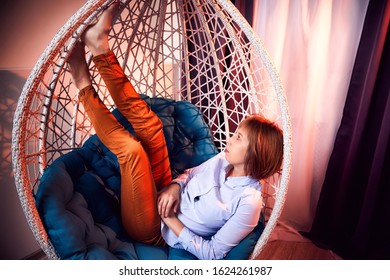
138,192
146,124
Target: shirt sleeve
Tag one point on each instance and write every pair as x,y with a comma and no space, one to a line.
228,236
183,178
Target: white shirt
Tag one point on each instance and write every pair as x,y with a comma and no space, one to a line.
217,212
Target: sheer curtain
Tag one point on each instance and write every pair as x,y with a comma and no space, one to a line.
313,44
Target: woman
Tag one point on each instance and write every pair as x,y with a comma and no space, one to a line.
221,198
207,210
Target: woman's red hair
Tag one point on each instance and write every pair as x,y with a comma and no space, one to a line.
265,150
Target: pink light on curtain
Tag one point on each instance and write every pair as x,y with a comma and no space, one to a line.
313,44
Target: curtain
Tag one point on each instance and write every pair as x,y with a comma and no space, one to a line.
353,214
313,44
246,9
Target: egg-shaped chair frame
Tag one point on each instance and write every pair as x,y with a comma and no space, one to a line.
202,51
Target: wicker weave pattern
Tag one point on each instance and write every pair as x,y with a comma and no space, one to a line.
202,51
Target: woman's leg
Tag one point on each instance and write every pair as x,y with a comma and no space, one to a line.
138,192
146,124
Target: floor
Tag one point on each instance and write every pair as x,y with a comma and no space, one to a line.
287,244
293,250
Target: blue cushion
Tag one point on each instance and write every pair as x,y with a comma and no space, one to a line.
243,250
69,220
180,254
148,252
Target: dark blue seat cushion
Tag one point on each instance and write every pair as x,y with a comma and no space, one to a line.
79,193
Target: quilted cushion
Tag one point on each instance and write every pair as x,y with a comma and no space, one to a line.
76,229
79,193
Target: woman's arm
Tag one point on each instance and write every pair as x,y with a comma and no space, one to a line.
173,223
169,198
183,178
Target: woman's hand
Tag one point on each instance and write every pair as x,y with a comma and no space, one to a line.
173,223
168,200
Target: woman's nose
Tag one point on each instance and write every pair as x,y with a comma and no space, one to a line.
229,141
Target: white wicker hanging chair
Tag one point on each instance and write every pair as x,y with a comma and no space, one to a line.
202,51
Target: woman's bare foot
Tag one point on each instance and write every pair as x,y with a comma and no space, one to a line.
95,36
78,67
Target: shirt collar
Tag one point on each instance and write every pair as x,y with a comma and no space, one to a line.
240,181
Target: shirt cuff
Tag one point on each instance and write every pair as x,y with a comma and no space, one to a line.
181,184
185,237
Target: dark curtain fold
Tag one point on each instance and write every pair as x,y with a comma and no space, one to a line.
246,8
353,212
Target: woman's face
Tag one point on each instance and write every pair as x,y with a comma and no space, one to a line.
237,147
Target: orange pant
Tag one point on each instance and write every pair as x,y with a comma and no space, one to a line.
144,162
